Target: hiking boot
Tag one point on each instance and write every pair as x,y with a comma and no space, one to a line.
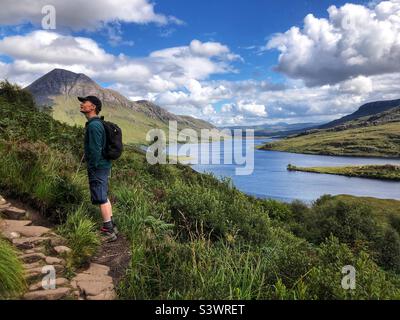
115,229
107,235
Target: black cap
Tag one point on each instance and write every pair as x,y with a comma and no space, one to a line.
96,101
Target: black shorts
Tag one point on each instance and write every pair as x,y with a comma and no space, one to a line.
98,183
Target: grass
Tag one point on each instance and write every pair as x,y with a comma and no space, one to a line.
80,232
374,141
382,172
12,282
194,236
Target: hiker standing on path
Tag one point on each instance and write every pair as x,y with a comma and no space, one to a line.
98,166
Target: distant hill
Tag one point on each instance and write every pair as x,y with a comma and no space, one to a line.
375,135
60,88
280,129
365,110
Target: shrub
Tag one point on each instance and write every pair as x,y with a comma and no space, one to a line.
324,281
12,282
80,232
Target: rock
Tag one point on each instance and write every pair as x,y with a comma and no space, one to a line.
38,286
14,213
4,206
52,260
23,228
33,231
32,257
95,283
73,284
13,235
14,224
57,241
28,243
76,294
2,201
55,294
33,265
42,271
107,295
62,250
32,274
59,268
97,269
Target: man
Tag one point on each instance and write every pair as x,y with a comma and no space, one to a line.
98,167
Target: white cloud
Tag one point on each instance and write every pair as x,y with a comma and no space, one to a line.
81,14
354,41
50,47
252,108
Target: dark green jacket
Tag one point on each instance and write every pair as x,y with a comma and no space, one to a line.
95,142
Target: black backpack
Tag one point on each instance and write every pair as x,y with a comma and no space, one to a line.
114,146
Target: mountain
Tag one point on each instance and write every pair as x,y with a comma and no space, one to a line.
60,88
365,110
280,129
376,135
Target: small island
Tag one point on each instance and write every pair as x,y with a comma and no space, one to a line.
382,172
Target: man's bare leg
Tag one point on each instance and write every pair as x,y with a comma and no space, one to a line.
106,211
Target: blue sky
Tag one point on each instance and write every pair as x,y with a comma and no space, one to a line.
228,62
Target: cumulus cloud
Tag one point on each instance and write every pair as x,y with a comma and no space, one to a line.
80,14
354,41
170,76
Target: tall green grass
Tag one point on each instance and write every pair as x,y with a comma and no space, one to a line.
80,232
12,282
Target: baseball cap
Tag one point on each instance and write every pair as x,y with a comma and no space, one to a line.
96,101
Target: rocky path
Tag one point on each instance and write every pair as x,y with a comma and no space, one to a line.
43,252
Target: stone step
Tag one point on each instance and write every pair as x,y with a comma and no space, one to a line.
12,229
95,283
60,282
14,213
32,257
29,243
34,273
55,294
53,260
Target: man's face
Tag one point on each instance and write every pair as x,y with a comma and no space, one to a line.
87,107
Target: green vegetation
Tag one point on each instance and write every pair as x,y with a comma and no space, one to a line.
383,172
373,141
193,236
12,282
80,232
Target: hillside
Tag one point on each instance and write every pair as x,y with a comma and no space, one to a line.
59,89
370,136
368,109
186,227
277,130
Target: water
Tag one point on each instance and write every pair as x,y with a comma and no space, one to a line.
271,179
